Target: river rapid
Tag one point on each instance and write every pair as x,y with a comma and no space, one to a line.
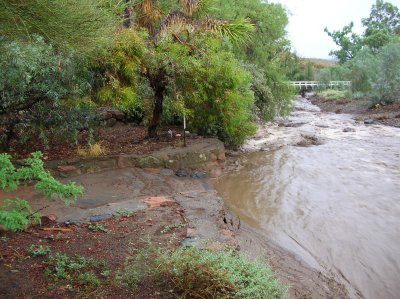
328,189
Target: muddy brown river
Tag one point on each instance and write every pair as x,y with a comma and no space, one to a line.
334,202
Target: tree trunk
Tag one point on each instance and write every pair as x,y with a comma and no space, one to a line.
158,83
127,15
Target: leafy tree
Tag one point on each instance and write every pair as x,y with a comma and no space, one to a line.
267,50
383,16
165,25
349,42
381,27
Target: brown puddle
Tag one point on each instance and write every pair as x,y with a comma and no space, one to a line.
336,205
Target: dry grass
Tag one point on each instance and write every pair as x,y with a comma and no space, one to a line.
94,150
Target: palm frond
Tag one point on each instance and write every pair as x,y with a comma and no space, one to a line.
195,7
238,32
175,22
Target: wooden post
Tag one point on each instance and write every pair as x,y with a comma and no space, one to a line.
184,130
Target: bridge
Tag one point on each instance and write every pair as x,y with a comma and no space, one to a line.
309,85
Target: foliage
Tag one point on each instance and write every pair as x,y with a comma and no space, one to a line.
168,228
98,228
331,94
383,16
34,80
78,271
85,26
123,212
387,85
196,273
349,42
38,250
363,70
215,90
123,85
16,215
381,27
267,104
267,50
11,177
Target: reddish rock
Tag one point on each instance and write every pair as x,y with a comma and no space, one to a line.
227,232
157,201
153,170
189,232
66,168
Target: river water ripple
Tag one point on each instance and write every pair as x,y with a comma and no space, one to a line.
336,205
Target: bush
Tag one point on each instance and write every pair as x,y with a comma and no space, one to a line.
387,86
268,104
332,94
215,90
77,270
33,81
196,273
17,214
124,87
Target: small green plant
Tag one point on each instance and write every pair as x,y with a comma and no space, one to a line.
98,227
123,212
78,270
196,273
169,228
38,250
4,239
16,214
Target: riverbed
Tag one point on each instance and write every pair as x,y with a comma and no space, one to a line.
327,188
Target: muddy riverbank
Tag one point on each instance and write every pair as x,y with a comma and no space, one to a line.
151,197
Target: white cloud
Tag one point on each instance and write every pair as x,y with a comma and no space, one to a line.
308,18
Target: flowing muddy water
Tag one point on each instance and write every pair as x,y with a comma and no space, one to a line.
328,189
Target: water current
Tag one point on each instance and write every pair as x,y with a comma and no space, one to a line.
335,203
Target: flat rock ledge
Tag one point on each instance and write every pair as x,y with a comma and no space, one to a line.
206,155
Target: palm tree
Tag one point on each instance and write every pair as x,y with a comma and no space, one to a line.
178,26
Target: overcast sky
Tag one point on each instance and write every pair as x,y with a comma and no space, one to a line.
308,18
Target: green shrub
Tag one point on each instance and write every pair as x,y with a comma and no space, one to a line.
34,80
38,250
333,94
17,214
123,86
77,270
196,273
387,86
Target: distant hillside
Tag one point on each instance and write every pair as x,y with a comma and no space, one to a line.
319,63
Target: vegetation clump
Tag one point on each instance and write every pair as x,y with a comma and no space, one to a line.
197,273
77,271
17,214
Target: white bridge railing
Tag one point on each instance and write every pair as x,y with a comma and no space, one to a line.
312,84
